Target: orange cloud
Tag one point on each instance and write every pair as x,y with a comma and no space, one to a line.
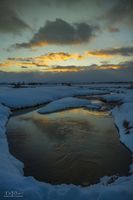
63,69
98,54
43,60
11,63
39,44
122,51
51,59
56,57
107,67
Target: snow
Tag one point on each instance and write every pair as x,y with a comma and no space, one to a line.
122,114
125,96
113,97
26,97
94,106
11,169
65,103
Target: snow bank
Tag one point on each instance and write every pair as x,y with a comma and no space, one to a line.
125,96
26,97
68,102
11,173
113,97
64,103
123,116
94,106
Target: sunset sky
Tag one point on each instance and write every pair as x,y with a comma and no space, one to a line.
67,37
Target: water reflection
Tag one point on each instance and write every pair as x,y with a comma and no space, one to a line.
74,146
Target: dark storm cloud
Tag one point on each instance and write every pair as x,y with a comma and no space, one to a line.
121,12
52,2
10,22
123,51
28,4
61,32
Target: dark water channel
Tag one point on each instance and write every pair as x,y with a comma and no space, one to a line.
73,146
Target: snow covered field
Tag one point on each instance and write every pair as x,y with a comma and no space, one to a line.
24,97
11,170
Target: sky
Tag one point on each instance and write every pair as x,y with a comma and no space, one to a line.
66,39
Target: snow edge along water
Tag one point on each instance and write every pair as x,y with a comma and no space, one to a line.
12,179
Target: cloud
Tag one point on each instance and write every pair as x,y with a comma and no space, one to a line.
24,67
56,57
121,12
60,32
93,67
40,61
124,66
51,59
127,64
44,64
123,51
12,63
63,69
10,22
50,3
83,76
113,29
110,67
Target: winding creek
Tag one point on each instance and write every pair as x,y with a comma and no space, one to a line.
76,146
